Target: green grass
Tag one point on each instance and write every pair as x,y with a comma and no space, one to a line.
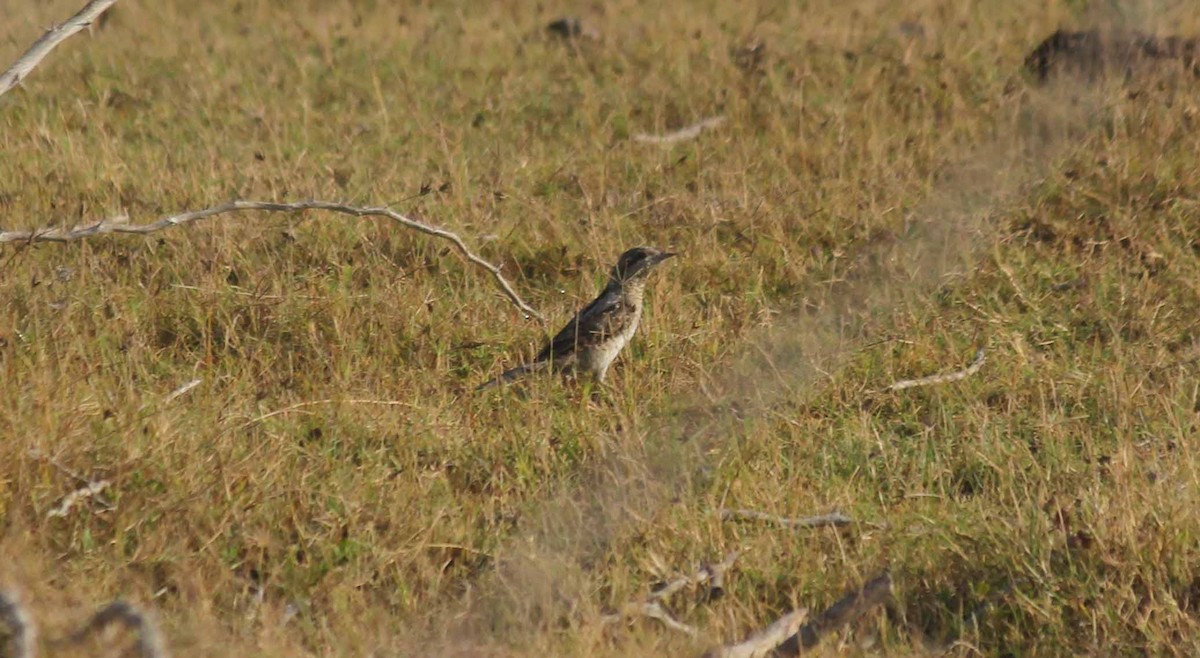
875,208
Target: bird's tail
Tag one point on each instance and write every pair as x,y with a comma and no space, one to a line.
516,373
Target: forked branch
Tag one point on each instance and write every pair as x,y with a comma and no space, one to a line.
120,225
90,490
49,41
712,575
652,607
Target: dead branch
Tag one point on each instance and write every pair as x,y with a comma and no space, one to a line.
688,132
119,225
788,637
49,41
150,642
22,634
764,642
846,610
90,490
653,608
939,379
182,389
712,574
835,519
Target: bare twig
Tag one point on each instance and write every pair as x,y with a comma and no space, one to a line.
90,490
689,132
653,608
150,643
835,519
845,611
19,627
764,642
790,635
49,41
712,574
941,378
182,389
119,225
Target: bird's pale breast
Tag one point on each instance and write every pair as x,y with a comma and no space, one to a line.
598,358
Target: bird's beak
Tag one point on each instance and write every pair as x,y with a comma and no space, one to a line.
665,255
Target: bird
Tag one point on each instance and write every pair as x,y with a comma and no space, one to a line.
593,338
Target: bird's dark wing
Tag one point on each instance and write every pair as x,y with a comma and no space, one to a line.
603,318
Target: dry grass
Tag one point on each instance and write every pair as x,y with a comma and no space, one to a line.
878,204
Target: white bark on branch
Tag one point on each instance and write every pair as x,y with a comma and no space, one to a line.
120,225
836,519
91,490
688,132
49,41
763,643
652,610
843,612
182,390
791,636
652,607
711,574
939,379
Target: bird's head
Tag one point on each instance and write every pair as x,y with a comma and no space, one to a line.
636,263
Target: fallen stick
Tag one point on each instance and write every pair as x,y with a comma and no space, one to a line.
182,389
150,643
835,519
653,608
713,574
22,634
939,379
91,490
119,225
764,642
789,635
842,613
688,132
49,41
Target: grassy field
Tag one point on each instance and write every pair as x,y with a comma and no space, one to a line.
888,193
